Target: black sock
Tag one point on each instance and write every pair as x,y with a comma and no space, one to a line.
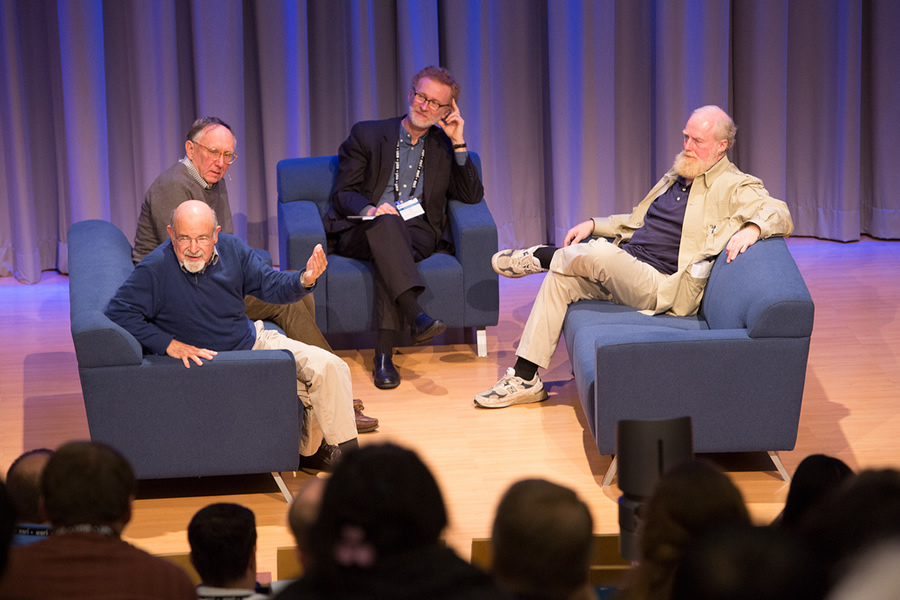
544,254
349,445
525,369
385,343
408,302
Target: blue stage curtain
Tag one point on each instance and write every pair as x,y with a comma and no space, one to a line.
576,106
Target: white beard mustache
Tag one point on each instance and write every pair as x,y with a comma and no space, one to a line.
421,121
193,266
690,167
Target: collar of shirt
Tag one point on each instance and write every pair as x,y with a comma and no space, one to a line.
212,261
406,138
194,173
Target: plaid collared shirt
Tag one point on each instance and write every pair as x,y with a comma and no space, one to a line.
194,173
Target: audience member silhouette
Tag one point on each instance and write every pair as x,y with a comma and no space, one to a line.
223,551
7,521
691,499
303,513
816,476
542,541
378,535
874,575
23,482
86,490
748,563
862,513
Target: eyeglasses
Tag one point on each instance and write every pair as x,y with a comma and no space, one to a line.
228,157
432,104
188,240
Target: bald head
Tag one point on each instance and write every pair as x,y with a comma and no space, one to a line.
717,121
303,513
23,483
194,232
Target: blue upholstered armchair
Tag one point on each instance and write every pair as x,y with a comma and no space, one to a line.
737,368
461,290
237,414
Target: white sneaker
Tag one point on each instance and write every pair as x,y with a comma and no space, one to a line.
516,263
512,389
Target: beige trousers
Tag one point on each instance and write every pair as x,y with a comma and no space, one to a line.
595,270
323,386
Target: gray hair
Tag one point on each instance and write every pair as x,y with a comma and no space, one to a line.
202,123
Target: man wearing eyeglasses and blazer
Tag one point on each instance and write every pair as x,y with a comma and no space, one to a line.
389,204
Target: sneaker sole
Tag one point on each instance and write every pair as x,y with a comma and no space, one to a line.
505,273
530,399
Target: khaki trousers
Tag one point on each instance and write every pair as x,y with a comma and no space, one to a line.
595,270
323,386
297,320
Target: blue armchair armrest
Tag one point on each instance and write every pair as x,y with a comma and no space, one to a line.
475,237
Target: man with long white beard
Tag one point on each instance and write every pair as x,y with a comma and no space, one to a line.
660,256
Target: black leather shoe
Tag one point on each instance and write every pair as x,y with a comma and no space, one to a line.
325,459
385,375
424,328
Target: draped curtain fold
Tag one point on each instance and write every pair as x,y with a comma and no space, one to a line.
576,106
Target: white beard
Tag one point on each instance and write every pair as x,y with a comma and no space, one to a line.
690,167
421,121
193,266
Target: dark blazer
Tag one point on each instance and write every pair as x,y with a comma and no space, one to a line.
365,165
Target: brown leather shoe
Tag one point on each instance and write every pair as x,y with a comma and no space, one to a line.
364,424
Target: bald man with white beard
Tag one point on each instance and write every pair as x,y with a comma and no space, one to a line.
186,300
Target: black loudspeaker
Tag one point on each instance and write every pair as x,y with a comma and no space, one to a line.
644,451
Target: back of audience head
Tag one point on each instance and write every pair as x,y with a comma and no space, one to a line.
7,523
87,483
23,482
302,515
748,563
690,500
380,501
862,513
542,540
816,476
223,544
872,575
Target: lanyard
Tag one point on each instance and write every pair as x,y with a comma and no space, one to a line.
415,182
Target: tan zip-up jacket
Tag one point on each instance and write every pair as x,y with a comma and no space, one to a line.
721,202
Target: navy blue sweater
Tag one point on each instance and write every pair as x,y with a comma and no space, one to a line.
160,302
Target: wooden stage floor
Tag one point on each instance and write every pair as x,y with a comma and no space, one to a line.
850,407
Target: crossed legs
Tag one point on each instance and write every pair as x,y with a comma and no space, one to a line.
594,270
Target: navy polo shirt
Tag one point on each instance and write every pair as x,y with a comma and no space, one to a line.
657,242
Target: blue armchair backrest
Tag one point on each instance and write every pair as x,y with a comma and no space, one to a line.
99,261
305,179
